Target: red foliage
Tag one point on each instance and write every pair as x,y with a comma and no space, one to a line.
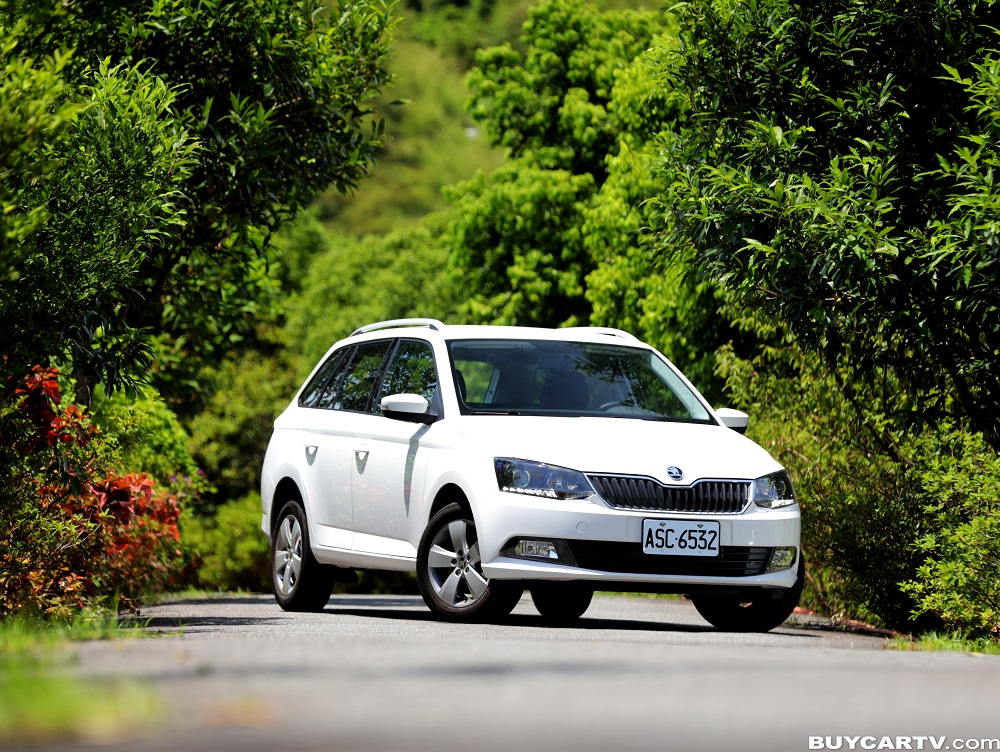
109,534
39,401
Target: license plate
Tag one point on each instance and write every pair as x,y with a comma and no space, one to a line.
680,537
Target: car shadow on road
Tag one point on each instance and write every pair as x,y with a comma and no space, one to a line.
390,610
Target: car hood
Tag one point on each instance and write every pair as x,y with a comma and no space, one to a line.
622,446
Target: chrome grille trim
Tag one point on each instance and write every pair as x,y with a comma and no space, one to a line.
648,494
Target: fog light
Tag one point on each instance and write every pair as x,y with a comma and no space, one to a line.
536,549
782,558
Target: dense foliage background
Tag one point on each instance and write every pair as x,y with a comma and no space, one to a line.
794,202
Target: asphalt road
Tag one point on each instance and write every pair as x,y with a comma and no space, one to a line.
378,673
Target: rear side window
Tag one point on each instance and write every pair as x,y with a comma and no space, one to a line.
352,390
313,392
412,371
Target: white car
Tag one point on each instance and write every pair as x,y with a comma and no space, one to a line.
491,459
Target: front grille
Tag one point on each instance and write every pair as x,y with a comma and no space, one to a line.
705,496
608,556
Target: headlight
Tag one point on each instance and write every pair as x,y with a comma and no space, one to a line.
539,479
774,490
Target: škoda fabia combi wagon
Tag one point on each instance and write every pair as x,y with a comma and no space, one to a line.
492,460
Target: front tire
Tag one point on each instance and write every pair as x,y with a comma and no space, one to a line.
300,582
761,615
450,573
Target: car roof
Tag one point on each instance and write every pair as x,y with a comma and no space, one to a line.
436,329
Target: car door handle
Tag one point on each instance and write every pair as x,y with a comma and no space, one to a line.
311,453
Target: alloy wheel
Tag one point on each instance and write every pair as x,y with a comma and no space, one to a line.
454,565
288,554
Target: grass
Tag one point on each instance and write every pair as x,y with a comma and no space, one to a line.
41,701
954,641
195,593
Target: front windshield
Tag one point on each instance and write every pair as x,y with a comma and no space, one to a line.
544,377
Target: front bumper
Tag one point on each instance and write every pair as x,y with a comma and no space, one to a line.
505,516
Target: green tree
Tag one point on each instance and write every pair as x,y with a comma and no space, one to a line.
331,286
270,92
354,282
518,241
560,234
835,173
429,143
91,188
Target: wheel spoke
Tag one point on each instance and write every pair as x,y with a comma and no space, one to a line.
457,530
285,533
439,558
476,582
295,565
280,560
449,588
473,555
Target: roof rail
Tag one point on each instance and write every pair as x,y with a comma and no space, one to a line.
395,323
606,330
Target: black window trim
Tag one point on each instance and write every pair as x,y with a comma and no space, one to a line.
377,382
347,355
338,357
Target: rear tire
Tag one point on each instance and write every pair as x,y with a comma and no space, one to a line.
761,615
300,582
561,602
450,573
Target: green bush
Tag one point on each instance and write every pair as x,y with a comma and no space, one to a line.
76,529
229,550
149,438
229,438
901,530
858,526
960,577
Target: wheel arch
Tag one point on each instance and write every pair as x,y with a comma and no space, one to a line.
449,493
286,490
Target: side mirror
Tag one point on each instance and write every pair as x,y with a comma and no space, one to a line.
734,419
410,408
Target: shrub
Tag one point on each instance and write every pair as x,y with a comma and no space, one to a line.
898,529
148,436
229,550
230,436
73,529
959,580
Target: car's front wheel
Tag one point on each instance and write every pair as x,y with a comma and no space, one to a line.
759,615
300,582
450,573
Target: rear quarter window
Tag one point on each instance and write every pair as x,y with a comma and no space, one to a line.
313,392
